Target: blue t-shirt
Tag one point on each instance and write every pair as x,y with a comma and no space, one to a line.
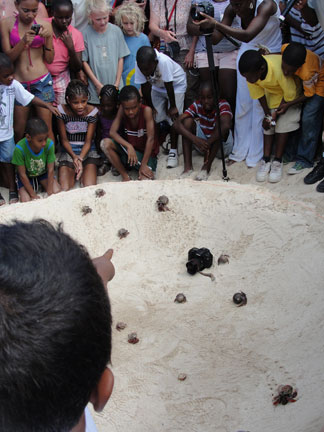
134,43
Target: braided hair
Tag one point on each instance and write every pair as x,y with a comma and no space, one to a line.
76,88
109,91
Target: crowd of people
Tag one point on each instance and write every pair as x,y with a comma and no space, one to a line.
92,85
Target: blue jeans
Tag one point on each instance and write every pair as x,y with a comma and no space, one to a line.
312,118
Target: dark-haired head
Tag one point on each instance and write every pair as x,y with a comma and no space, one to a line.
108,101
55,328
6,70
109,91
36,126
146,60
76,88
293,58
129,92
252,65
5,62
62,14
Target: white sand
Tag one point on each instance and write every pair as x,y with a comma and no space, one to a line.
234,358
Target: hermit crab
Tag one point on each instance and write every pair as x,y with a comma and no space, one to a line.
240,298
86,210
122,233
162,202
286,393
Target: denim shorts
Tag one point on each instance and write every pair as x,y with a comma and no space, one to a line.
34,181
227,145
6,150
42,88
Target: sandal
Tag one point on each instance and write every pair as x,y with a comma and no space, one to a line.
13,197
2,200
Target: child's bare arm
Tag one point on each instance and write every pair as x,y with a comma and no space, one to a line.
201,143
132,157
173,112
226,124
190,57
24,179
120,67
66,144
50,178
150,131
88,140
87,69
146,91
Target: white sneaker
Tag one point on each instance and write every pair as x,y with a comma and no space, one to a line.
172,160
263,171
276,172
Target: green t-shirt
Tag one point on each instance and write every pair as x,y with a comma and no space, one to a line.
35,164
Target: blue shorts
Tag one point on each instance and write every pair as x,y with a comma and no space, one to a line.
6,150
42,88
227,145
34,181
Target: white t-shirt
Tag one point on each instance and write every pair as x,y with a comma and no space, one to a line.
8,94
166,70
318,5
90,425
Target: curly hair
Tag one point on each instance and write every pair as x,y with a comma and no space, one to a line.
97,6
76,88
133,12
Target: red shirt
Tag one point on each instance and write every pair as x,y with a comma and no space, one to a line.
208,120
137,136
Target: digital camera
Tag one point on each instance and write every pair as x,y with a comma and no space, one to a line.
204,7
198,260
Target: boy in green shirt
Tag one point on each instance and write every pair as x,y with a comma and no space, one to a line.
34,157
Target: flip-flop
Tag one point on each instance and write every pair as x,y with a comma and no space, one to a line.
2,200
13,197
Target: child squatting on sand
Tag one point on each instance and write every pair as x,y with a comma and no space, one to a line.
55,330
133,140
34,157
199,127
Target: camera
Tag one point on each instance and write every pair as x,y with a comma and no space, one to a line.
140,1
35,28
199,259
204,7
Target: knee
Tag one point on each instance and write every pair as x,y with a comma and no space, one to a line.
106,144
189,123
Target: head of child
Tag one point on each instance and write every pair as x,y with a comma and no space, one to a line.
36,134
253,66
293,58
108,101
62,14
6,70
146,60
27,10
55,330
98,13
130,100
130,18
206,96
76,97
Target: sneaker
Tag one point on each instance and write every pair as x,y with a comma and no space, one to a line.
316,174
276,172
263,171
172,160
295,169
320,186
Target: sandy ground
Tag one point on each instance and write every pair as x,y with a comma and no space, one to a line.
234,358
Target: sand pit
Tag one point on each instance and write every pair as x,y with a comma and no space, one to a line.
234,358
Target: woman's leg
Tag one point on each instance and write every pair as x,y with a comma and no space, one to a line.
66,177
46,115
20,119
89,175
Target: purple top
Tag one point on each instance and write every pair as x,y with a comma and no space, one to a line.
105,126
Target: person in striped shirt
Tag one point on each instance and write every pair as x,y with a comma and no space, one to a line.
198,127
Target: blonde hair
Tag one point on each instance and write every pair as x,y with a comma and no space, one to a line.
133,12
97,6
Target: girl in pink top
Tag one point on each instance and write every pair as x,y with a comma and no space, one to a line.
29,43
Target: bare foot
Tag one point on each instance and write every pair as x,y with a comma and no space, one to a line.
186,173
126,179
230,162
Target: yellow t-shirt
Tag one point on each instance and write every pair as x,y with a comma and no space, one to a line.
276,86
311,73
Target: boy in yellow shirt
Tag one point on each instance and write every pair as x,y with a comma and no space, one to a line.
305,64
267,82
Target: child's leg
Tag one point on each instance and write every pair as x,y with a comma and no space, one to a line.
281,141
9,172
189,124
20,119
56,186
89,175
66,177
24,195
265,166
109,148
